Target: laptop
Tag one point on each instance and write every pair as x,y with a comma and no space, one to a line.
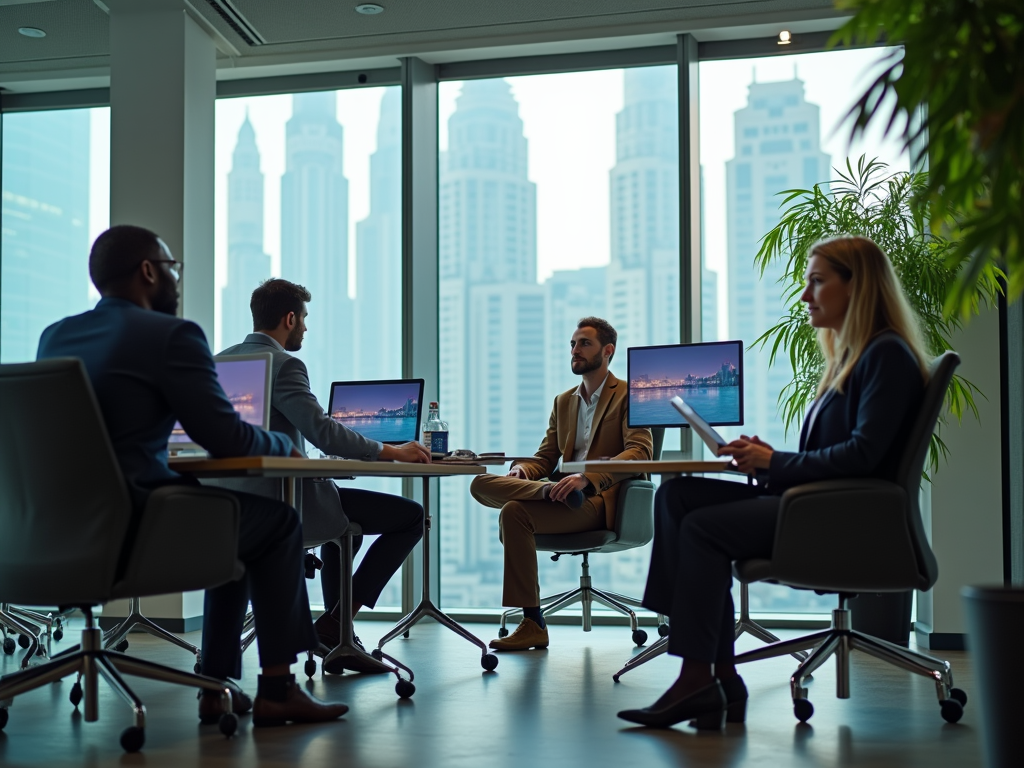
385,411
711,438
245,379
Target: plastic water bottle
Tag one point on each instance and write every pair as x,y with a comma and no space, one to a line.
435,431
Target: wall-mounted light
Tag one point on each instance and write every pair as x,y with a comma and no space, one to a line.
31,32
785,38
369,9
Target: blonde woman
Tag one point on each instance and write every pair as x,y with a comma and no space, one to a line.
875,372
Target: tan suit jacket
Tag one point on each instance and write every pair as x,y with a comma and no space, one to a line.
610,438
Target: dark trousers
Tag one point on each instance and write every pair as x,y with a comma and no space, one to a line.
700,527
270,546
399,523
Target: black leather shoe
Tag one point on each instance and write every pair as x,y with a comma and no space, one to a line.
328,629
210,706
353,664
735,699
298,707
706,707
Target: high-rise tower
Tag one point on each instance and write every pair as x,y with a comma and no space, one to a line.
314,234
247,262
45,239
777,147
378,319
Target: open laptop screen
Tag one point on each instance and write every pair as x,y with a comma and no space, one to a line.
245,379
386,411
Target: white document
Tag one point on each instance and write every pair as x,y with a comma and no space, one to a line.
711,439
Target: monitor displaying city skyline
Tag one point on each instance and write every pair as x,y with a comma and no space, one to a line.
245,384
709,377
386,411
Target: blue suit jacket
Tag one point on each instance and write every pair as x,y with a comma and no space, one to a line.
148,370
863,431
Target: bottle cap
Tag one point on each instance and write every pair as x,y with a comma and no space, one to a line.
433,404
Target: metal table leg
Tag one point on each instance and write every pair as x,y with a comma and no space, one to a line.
426,607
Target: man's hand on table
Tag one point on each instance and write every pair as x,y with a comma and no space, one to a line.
412,453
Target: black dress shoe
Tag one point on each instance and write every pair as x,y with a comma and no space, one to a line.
210,706
706,707
735,699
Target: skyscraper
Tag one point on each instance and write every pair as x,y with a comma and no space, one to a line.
45,239
378,321
569,295
247,262
491,316
314,234
777,147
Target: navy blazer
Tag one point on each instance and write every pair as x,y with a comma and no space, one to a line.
863,431
148,370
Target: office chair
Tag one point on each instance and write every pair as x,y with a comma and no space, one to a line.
852,536
61,542
634,527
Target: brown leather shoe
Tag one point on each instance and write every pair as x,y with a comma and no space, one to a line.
298,707
210,706
527,635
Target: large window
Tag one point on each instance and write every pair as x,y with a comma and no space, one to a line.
55,201
559,198
769,125
309,189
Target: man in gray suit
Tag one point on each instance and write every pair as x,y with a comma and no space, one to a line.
279,325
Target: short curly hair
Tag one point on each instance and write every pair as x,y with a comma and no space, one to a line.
606,334
273,300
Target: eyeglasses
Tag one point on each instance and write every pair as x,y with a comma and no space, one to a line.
175,268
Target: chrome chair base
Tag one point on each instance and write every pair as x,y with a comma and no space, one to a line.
839,641
90,661
135,620
33,635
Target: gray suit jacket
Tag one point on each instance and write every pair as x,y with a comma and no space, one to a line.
294,410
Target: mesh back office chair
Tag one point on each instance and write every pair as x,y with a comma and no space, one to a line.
634,527
60,542
851,536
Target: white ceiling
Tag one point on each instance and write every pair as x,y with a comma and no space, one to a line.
267,37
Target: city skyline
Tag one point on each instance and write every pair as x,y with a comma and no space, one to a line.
369,398
678,362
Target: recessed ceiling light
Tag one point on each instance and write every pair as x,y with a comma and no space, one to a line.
31,32
785,38
369,9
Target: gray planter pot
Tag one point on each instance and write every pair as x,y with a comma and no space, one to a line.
995,633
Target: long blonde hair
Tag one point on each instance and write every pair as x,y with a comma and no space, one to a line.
877,305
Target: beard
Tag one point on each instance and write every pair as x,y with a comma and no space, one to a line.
166,299
582,366
294,341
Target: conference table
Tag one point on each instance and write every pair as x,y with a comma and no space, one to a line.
289,470
669,469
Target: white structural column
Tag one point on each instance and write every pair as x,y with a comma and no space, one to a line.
162,98
162,95
966,510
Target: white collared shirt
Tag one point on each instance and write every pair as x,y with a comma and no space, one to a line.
585,421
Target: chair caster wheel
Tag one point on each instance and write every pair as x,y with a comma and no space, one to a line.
58,634
121,647
3,718
198,668
639,637
502,632
803,709
952,710
9,645
663,630
309,667
228,723
958,694
489,662
132,739
404,688
406,634
23,641
377,653
75,697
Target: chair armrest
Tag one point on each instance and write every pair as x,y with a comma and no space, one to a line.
634,517
845,535
187,539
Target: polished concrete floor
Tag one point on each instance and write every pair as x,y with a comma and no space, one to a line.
554,707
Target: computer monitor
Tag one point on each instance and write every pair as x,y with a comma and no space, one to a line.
385,411
708,376
245,379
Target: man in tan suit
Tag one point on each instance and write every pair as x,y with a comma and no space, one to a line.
588,422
